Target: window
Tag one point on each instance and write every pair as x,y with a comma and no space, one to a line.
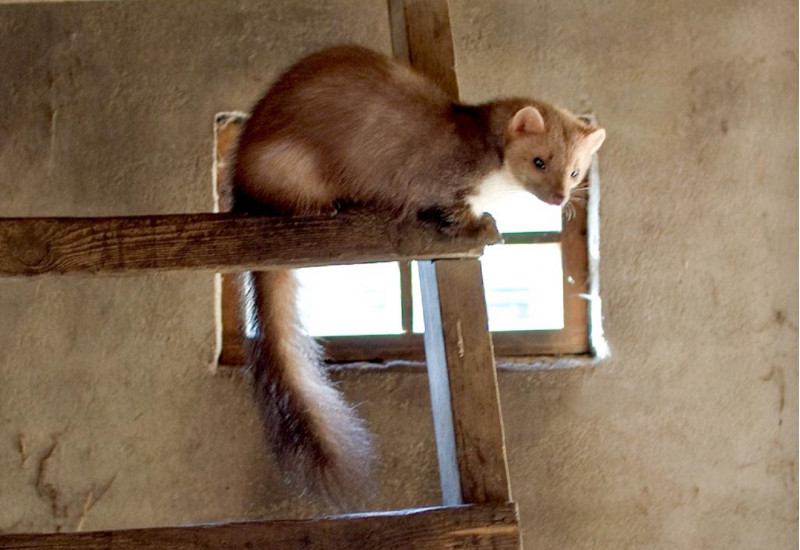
537,286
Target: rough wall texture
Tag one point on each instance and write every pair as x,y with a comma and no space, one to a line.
686,437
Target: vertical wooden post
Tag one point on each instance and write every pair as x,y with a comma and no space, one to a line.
230,285
230,299
458,345
575,266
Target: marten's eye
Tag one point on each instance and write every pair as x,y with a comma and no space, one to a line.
574,174
539,163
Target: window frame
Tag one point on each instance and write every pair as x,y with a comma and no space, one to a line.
579,288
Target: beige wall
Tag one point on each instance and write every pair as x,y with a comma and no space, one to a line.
110,415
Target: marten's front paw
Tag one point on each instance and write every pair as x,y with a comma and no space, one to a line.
484,229
461,223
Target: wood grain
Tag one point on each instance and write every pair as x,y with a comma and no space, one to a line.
458,345
230,300
575,265
410,347
430,42
227,128
494,527
218,242
464,395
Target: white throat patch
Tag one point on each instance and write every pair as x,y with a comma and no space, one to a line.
494,186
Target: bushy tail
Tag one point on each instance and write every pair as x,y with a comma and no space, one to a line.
317,439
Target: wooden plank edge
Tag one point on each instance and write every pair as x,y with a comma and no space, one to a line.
215,242
475,527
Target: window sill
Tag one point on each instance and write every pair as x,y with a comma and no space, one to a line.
525,364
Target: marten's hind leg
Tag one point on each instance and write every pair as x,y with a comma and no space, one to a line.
284,175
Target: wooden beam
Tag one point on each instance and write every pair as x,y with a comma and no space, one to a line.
464,395
230,298
428,41
218,242
575,266
436,354
458,345
486,527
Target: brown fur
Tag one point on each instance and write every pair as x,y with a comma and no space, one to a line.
348,126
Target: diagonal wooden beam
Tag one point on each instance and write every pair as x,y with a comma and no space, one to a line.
458,346
421,36
464,395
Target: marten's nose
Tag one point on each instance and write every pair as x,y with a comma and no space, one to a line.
557,199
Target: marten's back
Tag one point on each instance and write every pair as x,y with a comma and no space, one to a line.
345,124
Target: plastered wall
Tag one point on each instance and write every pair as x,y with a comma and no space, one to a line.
111,415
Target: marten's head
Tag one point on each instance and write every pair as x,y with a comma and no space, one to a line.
548,150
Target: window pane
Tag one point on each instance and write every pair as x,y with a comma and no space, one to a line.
350,299
521,212
524,288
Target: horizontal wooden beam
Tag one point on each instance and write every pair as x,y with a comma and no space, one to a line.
215,242
474,527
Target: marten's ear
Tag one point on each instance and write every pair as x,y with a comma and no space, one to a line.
527,120
595,138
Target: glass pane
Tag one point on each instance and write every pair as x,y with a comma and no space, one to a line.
350,299
524,288
521,212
